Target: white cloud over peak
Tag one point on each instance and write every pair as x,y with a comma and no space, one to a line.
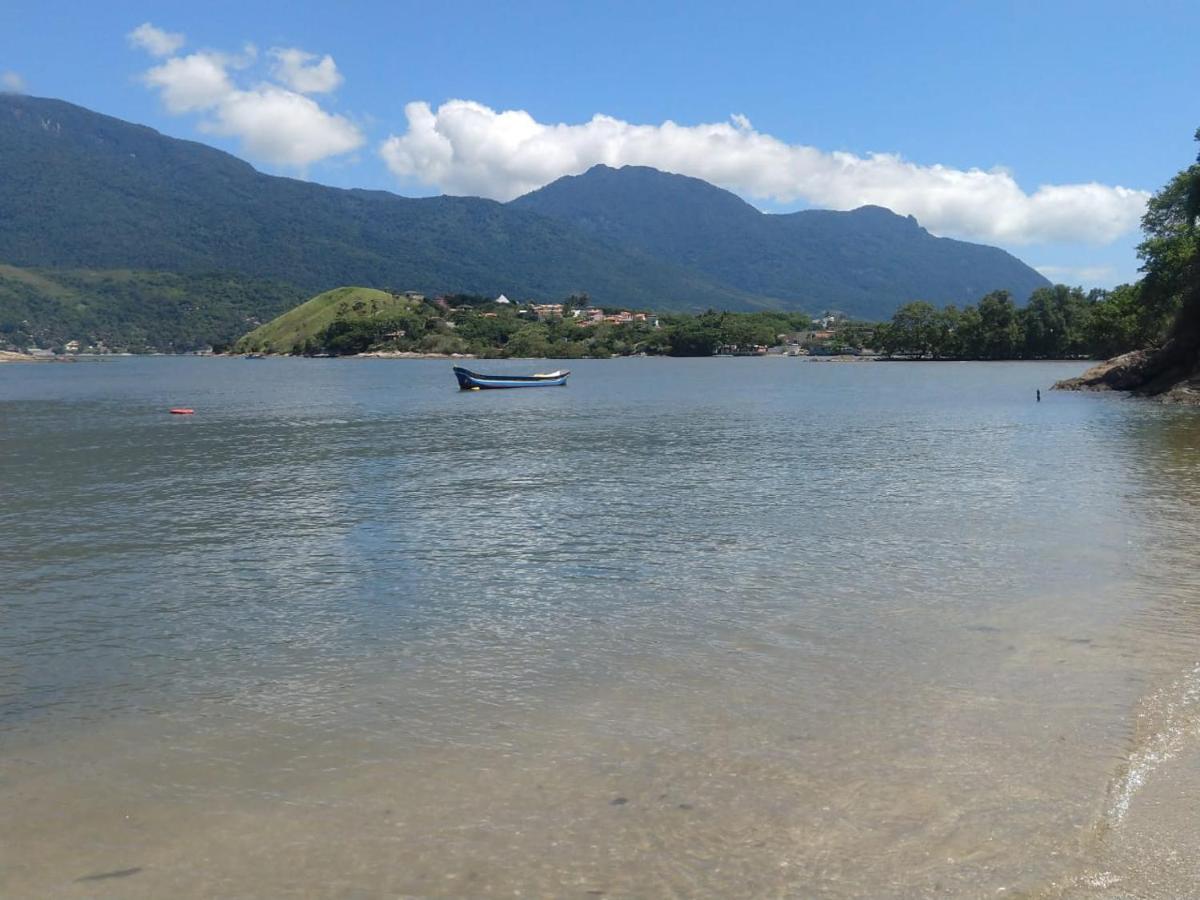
194,82
282,126
464,147
154,40
274,122
304,72
11,83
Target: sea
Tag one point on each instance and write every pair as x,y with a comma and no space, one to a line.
682,628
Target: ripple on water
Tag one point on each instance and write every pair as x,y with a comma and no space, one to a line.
864,629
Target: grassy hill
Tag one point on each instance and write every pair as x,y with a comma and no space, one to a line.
295,327
133,310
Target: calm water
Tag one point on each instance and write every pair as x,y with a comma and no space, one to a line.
768,628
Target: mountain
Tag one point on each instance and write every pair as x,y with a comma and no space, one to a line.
110,228
126,310
86,191
865,262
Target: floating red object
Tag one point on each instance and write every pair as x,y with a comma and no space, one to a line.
182,411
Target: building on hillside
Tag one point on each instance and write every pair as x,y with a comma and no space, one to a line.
414,295
741,350
71,347
503,299
548,310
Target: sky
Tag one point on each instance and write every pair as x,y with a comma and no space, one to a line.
1039,127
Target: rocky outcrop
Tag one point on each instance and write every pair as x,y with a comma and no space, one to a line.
1170,374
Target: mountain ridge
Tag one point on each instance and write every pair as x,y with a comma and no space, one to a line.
88,192
866,261
116,195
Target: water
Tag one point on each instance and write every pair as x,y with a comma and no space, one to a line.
683,628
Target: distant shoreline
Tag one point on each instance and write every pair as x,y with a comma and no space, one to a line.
8,356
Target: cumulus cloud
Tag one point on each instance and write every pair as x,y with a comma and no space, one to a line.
282,126
274,122
304,72
464,147
193,82
11,83
154,40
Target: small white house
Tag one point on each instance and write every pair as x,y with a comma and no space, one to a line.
503,299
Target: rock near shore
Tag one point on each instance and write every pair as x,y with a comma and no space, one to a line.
1165,374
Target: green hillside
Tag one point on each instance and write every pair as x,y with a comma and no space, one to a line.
865,262
168,244
296,327
133,310
86,191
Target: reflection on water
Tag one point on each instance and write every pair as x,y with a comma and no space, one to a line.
714,627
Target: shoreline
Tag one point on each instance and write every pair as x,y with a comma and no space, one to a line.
7,356
1140,375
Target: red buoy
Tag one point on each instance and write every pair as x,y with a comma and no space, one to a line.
182,411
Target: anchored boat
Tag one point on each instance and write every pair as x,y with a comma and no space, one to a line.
473,381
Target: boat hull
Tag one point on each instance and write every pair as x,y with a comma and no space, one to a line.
471,381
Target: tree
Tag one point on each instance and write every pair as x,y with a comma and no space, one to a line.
531,340
693,337
912,330
1170,254
1054,323
1116,322
1000,331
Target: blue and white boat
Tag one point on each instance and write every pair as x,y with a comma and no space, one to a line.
473,381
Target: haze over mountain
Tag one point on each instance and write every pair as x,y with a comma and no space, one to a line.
84,192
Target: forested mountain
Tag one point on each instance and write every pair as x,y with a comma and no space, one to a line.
85,193
82,190
134,310
865,262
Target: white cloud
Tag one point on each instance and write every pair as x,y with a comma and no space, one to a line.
154,40
193,82
11,83
282,126
465,147
273,123
297,70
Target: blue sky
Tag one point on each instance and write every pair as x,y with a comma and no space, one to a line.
974,107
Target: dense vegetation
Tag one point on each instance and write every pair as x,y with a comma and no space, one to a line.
864,263
358,320
1059,322
303,329
1170,253
1168,299
134,311
82,191
86,191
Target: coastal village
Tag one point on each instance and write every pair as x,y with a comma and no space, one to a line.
632,331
